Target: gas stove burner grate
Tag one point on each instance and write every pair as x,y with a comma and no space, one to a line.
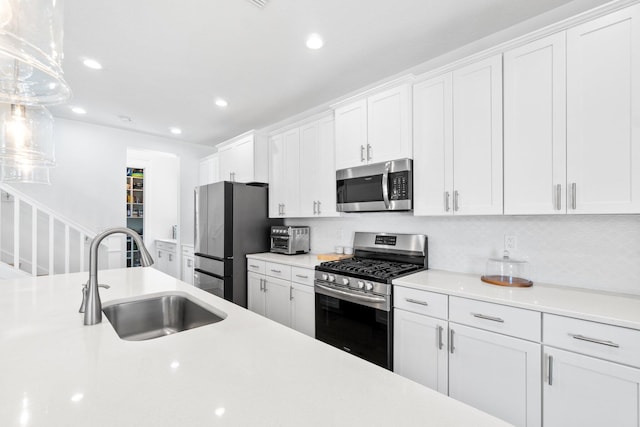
370,267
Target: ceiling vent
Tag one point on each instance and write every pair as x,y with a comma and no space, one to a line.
259,3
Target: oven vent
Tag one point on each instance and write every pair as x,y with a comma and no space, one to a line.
259,3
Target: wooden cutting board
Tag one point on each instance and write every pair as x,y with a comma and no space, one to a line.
333,257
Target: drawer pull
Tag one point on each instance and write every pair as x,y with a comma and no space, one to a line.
594,340
485,317
276,271
254,266
415,301
301,276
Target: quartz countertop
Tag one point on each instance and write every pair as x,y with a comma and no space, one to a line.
302,260
243,371
606,307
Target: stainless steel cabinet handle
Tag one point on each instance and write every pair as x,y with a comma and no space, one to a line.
485,317
362,159
369,152
440,343
456,204
318,207
447,196
301,276
451,348
254,266
189,263
260,285
594,340
558,197
573,196
264,286
550,369
415,301
315,210
290,293
170,257
276,271
159,254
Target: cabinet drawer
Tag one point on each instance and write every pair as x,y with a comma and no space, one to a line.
303,276
281,271
516,322
187,250
609,342
256,265
421,302
165,246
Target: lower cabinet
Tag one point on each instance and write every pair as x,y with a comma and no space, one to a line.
583,391
289,302
165,258
187,264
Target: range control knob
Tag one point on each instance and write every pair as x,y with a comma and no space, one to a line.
360,284
368,286
325,276
345,281
331,278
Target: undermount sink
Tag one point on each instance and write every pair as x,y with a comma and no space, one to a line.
157,316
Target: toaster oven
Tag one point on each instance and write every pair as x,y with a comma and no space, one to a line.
290,239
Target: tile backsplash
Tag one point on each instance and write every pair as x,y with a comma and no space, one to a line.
599,252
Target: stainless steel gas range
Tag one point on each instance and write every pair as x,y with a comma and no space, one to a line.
354,296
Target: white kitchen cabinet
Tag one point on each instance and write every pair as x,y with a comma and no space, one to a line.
583,391
458,141
317,169
303,309
209,170
166,259
603,114
243,159
495,373
374,129
276,300
420,349
284,171
255,294
187,264
535,127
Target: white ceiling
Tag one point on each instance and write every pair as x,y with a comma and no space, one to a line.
165,61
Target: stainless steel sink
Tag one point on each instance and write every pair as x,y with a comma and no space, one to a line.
157,316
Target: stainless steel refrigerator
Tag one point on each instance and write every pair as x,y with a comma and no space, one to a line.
231,221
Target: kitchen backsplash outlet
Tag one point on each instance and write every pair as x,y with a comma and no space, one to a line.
599,252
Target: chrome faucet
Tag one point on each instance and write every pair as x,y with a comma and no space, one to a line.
90,295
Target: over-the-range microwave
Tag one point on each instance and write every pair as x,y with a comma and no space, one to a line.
386,186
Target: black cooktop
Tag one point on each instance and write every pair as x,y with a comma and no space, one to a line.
367,268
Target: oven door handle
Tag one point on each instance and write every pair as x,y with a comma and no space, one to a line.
385,185
369,301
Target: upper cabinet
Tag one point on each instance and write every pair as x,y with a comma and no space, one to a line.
374,129
603,114
302,173
535,127
209,171
458,141
243,159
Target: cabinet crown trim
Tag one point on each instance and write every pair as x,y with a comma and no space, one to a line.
407,79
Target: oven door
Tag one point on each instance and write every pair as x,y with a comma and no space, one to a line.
360,327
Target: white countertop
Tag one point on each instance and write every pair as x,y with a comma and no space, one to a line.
303,260
617,309
243,371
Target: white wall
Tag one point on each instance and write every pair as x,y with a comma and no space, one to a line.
88,184
589,251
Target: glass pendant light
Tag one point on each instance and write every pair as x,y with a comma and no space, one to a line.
31,52
26,135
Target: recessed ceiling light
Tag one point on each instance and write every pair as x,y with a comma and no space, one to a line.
175,131
221,102
78,110
314,41
92,63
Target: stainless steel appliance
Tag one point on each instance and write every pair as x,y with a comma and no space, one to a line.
384,186
290,239
231,220
353,304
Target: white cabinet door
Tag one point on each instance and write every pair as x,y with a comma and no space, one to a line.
582,391
277,185
303,309
209,168
277,295
420,349
187,269
351,134
603,114
255,294
535,127
243,160
495,373
226,164
433,146
477,130
291,165
389,125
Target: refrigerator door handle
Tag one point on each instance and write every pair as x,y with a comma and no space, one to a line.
196,219
208,273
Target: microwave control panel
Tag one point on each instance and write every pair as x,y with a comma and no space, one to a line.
399,185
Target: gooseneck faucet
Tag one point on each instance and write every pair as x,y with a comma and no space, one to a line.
91,295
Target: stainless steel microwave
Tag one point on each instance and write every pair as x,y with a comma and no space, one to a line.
384,186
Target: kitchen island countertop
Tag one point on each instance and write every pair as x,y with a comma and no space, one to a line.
243,371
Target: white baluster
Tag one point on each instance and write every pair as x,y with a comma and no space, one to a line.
34,241
51,235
